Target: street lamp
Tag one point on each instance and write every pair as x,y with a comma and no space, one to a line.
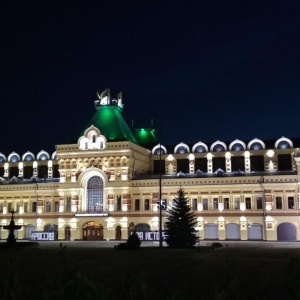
160,204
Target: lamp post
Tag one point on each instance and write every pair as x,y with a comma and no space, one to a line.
264,208
160,206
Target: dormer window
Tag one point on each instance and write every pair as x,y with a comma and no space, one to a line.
92,139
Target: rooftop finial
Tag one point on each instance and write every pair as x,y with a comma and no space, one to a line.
104,99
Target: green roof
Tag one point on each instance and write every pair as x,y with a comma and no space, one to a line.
146,136
108,119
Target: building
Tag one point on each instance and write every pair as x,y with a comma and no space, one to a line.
106,184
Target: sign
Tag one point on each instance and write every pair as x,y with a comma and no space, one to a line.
150,236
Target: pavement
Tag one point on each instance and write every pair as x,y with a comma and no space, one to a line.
111,244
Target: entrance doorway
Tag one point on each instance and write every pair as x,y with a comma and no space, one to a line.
67,233
92,231
118,233
233,231
211,232
286,232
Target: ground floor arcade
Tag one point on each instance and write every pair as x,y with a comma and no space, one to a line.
209,228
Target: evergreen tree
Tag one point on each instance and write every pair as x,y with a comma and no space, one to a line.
180,227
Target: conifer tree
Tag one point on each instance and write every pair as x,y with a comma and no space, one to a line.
180,227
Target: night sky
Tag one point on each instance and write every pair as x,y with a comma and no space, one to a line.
203,70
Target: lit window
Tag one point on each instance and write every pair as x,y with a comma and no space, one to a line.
95,194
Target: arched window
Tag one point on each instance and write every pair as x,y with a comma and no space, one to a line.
28,157
181,150
200,149
256,146
95,194
158,151
218,148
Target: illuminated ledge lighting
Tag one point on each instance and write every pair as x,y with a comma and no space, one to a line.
91,215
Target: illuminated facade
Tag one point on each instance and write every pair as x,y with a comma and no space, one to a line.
106,184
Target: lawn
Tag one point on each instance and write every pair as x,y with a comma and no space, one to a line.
147,273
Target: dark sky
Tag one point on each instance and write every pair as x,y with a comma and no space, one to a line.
203,70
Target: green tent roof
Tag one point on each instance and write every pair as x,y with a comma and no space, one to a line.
108,119
146,136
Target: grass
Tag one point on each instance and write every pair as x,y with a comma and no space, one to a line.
227,273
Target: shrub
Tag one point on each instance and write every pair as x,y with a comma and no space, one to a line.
216,245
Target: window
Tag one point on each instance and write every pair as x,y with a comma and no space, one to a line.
147,204
248,203
164,204
56,206
119,204
137,204
226,203
194,204
26,207
259,204
1,208
205,204
33,207
237,203
17,207
95,194
94,139
291,204
9,207
48,206
68,204
278,203
215,203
